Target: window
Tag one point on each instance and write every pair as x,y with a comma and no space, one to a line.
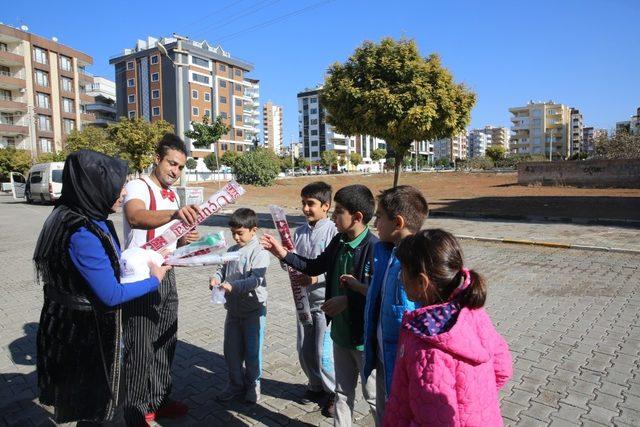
222,67
223,115
314,143
239,132
6,118
131,83
224,146
40,55
130,65
238,87
154,59
313,111
42,78
65,63
238,102
314,100
67,105
201,62
314,121
314,154
238,118
67,84
3,47
43,100
223,100
314,131
194,94
132,114
36,177
200,78
68,125
195,111
154,77
44,122
223,83
45,147
5,95
238,72
56,176
207,96
156,111
155,94
207,113
131,99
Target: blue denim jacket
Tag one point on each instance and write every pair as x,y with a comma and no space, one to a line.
394,303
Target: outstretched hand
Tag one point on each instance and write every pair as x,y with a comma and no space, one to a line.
272,245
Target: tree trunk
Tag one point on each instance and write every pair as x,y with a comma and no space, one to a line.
397,167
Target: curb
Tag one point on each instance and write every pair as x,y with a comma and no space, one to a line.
557,245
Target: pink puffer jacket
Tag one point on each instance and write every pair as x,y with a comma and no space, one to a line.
450,379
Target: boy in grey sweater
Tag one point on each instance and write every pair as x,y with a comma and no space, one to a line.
315,349
246,302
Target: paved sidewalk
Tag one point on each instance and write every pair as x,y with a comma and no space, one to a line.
571,318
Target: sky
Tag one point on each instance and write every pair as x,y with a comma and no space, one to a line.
582,53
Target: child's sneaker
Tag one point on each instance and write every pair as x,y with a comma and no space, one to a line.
329,408
252,395
228,395
312,396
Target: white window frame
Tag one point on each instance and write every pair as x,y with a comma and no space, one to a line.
45,78
63,80
63,60
155,111
155,59
68,105
40,53
42,143
207,113
132,114
223,100
207,96
130,100
131,82
155,91
131,65
194,92
195,111
155,77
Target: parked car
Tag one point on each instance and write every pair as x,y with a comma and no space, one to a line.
42,184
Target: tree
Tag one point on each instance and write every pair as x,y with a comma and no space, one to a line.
12,160
495,152
355,159
137,139
622,145
206,133
329,158
91,138
52,157
285,163
302,163
378,154
229,158
211,162
389,91
191,165
259,167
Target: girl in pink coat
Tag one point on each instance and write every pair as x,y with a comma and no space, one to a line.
451,361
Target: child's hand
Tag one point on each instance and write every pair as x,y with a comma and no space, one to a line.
213,282
308,280
226,286
347,281
335,305
272,245
158,271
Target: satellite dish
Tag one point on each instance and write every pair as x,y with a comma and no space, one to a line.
24,28
55,39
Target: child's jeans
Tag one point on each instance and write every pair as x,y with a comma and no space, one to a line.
243,338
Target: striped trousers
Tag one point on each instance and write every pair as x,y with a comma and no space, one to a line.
150,326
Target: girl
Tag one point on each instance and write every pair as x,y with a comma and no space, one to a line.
451,361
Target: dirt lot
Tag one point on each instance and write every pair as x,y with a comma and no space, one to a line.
473,193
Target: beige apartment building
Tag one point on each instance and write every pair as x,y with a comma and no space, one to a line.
272,127
541,128
43,87
451,148
181,80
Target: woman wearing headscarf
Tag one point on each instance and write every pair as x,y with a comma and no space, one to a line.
77,262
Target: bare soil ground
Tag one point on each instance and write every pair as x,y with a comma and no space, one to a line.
471,193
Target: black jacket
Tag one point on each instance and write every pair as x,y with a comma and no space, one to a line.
325,263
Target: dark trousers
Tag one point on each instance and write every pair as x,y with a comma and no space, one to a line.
150,325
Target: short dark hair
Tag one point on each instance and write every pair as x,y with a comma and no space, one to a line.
243,218
406,201
318,190
170,141
357,198
438,255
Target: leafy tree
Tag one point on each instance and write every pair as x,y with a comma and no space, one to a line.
329,158
206,133
91,138
211,162
495,152
443,161
137,139
622,145
378,154
229,158
342,160
285,163
191,165
355,159
389,91
302,163
259,167
12,160
51,157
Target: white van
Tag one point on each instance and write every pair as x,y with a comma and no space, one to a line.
42,184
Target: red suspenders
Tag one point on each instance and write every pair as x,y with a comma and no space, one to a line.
151,233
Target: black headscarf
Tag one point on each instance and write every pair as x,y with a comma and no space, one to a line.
91,184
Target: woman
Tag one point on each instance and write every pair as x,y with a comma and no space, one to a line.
76,259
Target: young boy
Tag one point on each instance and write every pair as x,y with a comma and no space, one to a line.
315,351
350,251
401,212
246,298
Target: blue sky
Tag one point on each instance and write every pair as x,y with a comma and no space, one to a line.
580,53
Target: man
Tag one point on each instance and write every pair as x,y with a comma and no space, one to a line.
150,323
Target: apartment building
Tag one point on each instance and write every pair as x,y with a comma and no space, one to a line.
589,137
451,148
576,132
103,108
541,128
181,80
478,141
631,126
499,136
43,87
272,127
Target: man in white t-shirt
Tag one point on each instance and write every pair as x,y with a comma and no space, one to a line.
150,323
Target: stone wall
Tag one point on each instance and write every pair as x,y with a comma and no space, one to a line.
586,173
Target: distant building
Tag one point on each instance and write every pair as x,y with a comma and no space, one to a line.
43,87
499,136
478,141
576,132
631,126
451,148
103,107
272,127
181,80
589,136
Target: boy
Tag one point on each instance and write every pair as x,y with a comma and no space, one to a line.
246,297
401,212
350,251
315,351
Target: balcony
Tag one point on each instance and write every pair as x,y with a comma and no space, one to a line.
12,106
12,80
101,107
85,76
11,59
13,130
87,98
85,117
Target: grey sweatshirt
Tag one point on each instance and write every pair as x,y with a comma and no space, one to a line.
310,242
247,277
